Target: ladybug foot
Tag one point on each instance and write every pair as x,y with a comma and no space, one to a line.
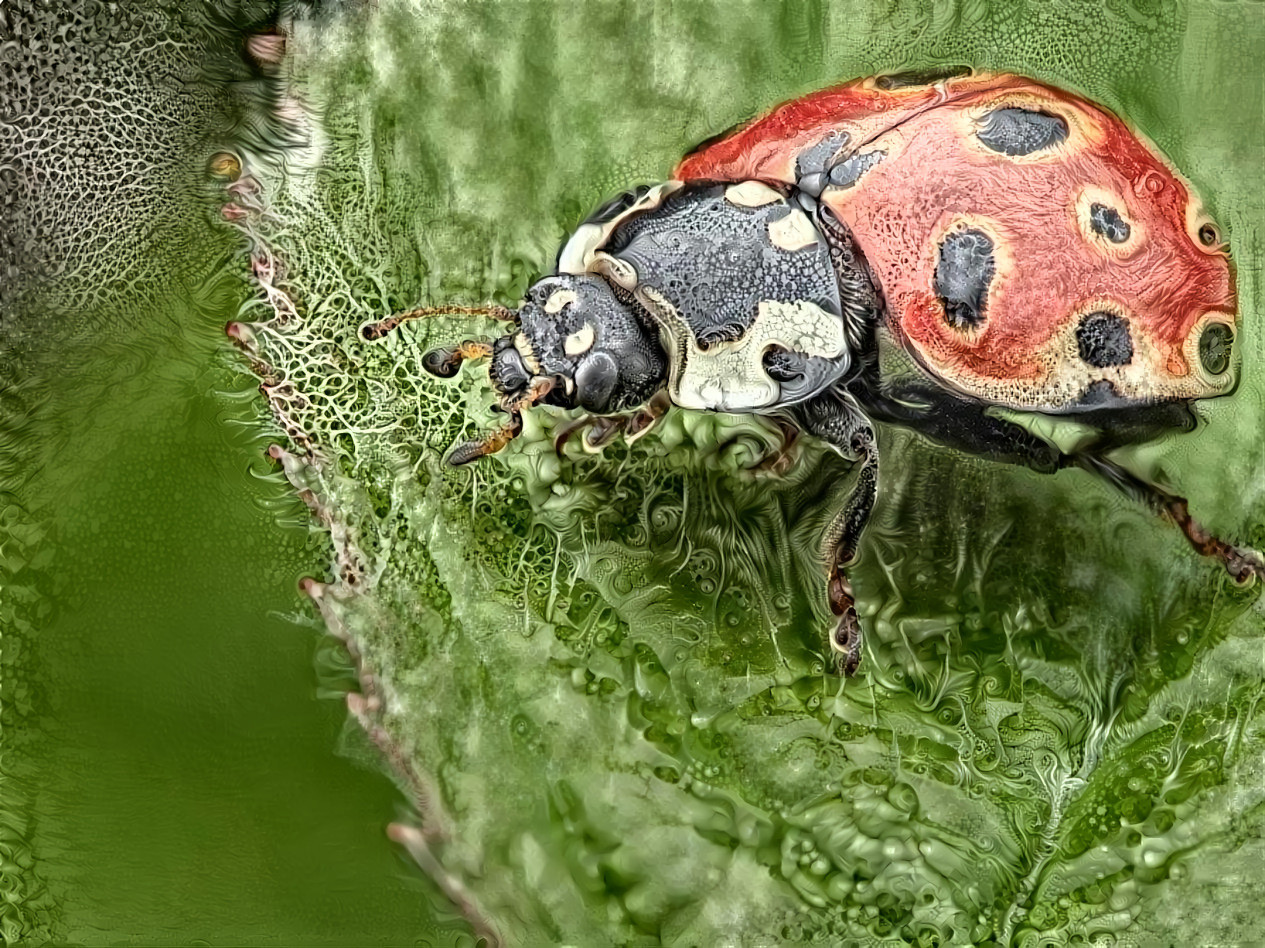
1244,564
846,642
598,430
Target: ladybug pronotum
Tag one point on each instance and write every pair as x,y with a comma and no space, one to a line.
914,249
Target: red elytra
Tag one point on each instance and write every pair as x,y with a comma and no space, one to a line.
1050,269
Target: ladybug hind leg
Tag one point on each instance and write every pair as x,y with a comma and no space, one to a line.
835,419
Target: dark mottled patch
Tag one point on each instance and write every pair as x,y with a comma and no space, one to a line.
595,381
723,332
781,365
714,262
963,276
1017,132
1216,343
920,77
1107,222
1104,340
1099,394
800,376
848,172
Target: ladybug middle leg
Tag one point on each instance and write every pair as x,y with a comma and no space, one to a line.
781,458
834,418
598,432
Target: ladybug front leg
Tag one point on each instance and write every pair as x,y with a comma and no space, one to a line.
836,419
599,430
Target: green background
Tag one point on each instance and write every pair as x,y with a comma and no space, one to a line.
169,766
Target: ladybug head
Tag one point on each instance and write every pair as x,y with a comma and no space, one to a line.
589,340
579,344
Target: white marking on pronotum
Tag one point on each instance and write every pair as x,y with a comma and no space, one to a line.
730,376
523,345
793,232
580,341
559,301
751,194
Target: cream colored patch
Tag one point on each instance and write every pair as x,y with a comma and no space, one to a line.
751,194
578,253
620,272
793,232
1196,217
579,342
730,376
525,350
559,301
1066,377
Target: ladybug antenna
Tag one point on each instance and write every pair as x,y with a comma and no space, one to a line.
493,441
373,331
445,362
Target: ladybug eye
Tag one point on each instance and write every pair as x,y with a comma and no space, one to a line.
1209,236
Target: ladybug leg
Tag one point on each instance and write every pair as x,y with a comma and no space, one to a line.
842,541
646,418
1242,563
602,431
781,459
598,432
568,431
835,419
493,441
966,426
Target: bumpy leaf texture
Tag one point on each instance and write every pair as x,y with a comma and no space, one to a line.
601,680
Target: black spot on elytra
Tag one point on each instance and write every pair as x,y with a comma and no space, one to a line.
1104,340
920,77
1099,394
963,275
814,161
1016,132
1107,222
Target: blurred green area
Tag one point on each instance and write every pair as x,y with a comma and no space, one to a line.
172,716
609,668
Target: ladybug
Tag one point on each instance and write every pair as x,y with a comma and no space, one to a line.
916,249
